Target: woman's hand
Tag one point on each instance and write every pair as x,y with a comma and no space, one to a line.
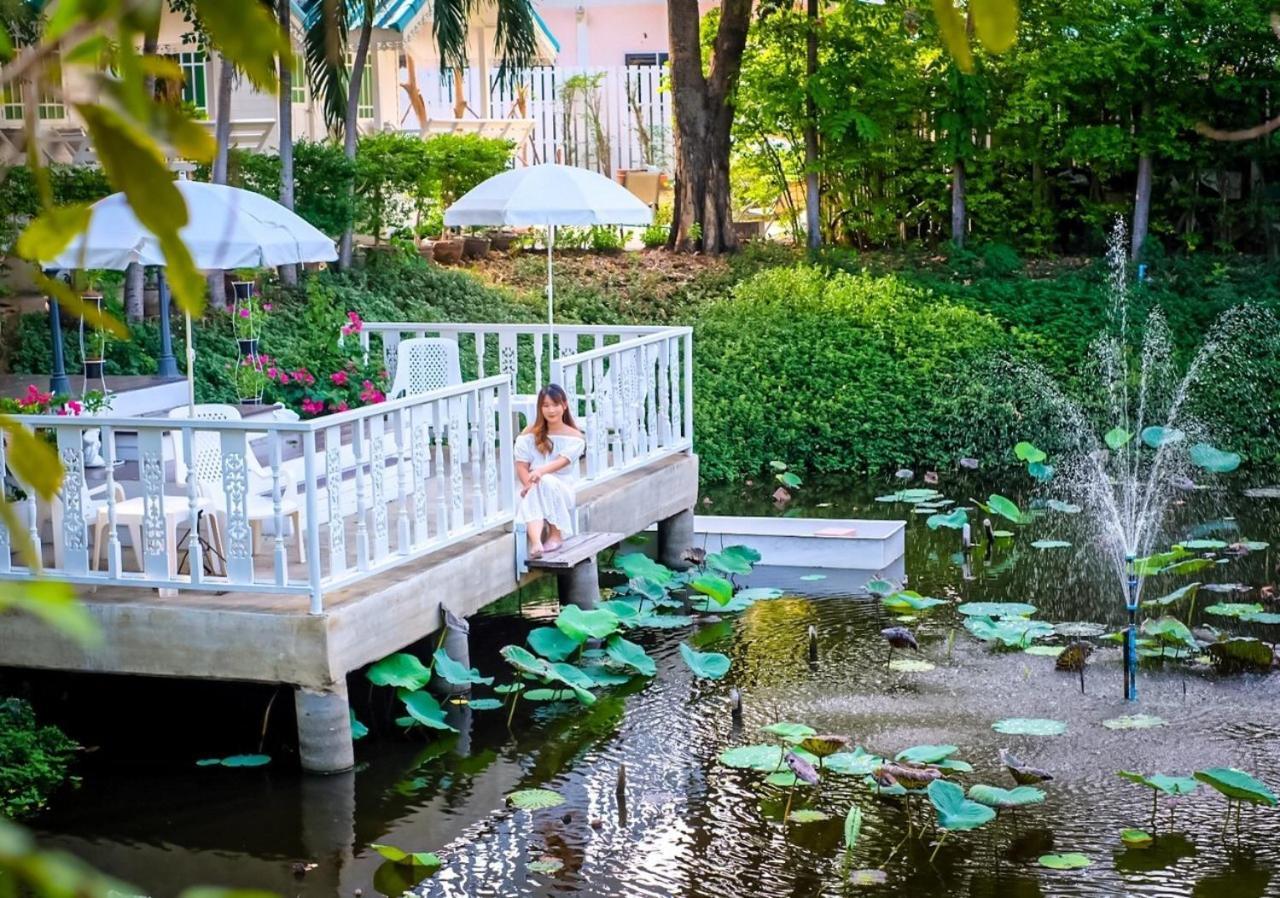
535,477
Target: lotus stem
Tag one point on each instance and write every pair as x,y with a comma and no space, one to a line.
1239,808
938,847
787,811
266,717
901,842
515,697
1155,803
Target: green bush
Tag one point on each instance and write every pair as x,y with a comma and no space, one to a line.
837,372
34,759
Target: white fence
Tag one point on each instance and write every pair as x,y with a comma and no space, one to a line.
603,118
306,507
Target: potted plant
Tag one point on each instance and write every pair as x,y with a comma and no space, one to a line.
475,246
250,380
93,338
244,282
246,321
501,241
448,250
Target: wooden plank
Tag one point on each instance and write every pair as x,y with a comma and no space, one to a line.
576,550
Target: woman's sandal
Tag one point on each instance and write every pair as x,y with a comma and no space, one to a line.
535,553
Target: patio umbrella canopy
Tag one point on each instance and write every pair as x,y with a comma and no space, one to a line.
546,196
227,228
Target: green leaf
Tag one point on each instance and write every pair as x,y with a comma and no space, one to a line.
955,521
535,799
746,553
1117,437
708,665
358,729
1040,471
1063,507
1233,609
1170,631
852,826
790,732
926,754
456,674
996,23
55,604
906,600
631,655
551,643
955,812
484,704
789,480
1005,508
1136,838
1155,437
717,588
579,681
1001,799
523,660
764,758
246,761
728,563
954,33
401,670
247,33
1237,784
407,858
549,695
636,565
852,763
49,233
1240,652
6,45
423,707
1070,861
1029,726
808,815
1135,722
1169,785
546,865
582,625
1027,452
1213,460
1188,591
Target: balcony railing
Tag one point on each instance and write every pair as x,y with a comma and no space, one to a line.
308,507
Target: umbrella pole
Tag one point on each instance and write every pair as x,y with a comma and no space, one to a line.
191,371
551,297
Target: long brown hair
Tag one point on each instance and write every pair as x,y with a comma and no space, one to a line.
538,428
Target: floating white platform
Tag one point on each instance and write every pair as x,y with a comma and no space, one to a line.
813,543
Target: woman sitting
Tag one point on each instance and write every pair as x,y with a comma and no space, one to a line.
547,453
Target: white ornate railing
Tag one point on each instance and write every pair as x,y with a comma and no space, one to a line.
377,486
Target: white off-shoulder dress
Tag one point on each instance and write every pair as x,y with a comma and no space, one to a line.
551,499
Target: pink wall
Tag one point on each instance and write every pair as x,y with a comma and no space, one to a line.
611,30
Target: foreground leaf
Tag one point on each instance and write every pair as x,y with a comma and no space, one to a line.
708,665
535,799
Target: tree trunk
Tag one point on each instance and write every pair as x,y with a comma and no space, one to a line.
1142,195
134,276
703,116
959,213
813,197
288,273
352,127
222,137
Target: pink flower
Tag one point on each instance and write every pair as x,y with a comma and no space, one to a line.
370,393
340,406
284,378
34,398
271,373
244,313
266,307
73,407
339,378
312,406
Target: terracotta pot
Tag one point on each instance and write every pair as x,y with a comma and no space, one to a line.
426,248
501,241
448,251
475,247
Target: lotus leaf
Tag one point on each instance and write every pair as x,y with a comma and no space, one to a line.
855,763
1214,460
1204,545
746,553
407,858
402,670
1233,609
852,826
911,665
1170,631
1002,534
1188,566
1136,838
1014,632
1040,471
455,673
1029,726
625,612
1027,452
1005,508
508,688
1003,799
1155,437
663,621
879,587
907,600
955,521
637,565
647,588
602,676
1116,437
708,665
631,655
1063,507
1051,544
868,877
1048,651
1261,617
824,745
717,588
1070,861
484,704
785,778
546,865
1169,785
955,812
1188,591
728,563
778,465
236,761
535,799
423,707
789,480
753,757
581,625
1151,565
808,815
997,609
926,754
358,729
1135,722
1236,784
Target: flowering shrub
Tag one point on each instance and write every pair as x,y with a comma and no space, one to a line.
37,402
354,324
353,385
247,316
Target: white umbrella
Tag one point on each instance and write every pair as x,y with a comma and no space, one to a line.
546,196
227,228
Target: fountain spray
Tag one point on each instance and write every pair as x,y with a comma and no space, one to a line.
1131,634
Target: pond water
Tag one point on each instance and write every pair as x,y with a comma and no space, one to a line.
692,826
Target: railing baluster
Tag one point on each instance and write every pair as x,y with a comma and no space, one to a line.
6,538
402,431
649,384
280,563
506,450
600,433
457,451
688,384
312,511
195,555
154,532
377,481
362,526
438,409
488,447
74,539
479,355
235,488
420,448
113,538
333,489
537,362
664,396
33,526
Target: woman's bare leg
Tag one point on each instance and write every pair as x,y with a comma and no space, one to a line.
554,538
534,529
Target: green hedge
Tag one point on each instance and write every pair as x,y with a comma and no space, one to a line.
34,759
838,372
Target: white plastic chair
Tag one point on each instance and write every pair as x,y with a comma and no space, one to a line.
207,452
424,364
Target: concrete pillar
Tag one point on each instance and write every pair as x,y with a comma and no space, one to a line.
675,534
580,585
457,646
324,729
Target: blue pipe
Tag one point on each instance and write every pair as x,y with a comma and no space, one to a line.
1131,635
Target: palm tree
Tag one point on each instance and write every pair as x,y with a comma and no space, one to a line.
288,273
328,23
